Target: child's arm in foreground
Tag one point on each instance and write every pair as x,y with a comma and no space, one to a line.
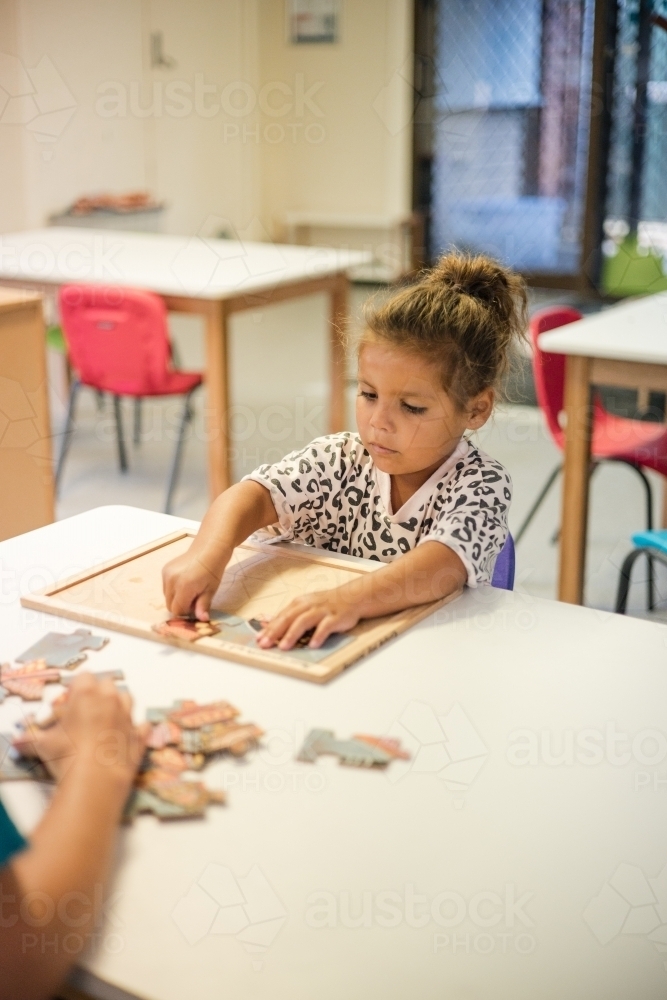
191,580
53,890
427,573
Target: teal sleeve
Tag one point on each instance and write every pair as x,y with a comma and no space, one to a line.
11,840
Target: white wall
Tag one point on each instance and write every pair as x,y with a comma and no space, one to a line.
352,154
89,114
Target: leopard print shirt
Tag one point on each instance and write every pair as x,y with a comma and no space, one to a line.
331,495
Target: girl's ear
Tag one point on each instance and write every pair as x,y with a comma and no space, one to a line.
480,409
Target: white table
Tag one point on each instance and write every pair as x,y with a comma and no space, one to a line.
622,346
211,277
492,880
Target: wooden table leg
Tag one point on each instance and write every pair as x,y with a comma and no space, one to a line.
575,480
339,320
217,386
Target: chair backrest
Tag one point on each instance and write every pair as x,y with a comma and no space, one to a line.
117,338
503,571
549,369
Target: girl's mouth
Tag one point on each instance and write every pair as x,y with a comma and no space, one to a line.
381,450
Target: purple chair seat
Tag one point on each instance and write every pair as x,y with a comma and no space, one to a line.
503,571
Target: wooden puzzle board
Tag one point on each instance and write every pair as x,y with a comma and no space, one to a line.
125,594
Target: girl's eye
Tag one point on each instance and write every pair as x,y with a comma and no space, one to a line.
367,395
414,409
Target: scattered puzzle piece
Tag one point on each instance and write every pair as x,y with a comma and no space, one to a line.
194,716
163,734
185,628
14,767
176,761
143,801
389,744
99,675
29,680
237,737
60,649
357,752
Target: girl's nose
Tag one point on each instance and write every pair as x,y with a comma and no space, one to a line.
381,418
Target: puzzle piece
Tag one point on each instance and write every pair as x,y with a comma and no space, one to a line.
61,649
237,737
389,744
99,675
163,734
193,716
29,680
185,628
355,752
175,761
14,767
172,799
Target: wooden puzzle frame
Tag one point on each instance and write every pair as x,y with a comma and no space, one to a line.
125,594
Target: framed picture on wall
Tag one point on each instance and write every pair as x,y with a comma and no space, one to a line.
313,21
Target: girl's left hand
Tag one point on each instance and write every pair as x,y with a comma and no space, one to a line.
326,611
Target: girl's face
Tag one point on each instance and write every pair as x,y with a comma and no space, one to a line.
406,420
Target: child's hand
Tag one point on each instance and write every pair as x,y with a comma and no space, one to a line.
326,611
94,727
189,585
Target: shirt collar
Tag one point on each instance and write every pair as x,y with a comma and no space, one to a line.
411,507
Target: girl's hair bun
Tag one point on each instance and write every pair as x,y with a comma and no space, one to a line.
481,278
465,314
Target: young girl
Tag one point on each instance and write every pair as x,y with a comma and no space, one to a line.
409,489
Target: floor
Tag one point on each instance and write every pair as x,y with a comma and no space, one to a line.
280,404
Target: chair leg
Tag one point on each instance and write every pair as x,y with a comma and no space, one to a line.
538,503
650,579
137,420
67,435
186,417
122,454
624,581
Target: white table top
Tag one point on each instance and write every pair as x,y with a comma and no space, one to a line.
170,265
522,853
631,331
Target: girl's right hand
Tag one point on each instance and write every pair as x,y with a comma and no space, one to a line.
189,584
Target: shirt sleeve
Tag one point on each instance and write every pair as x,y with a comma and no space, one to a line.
11,841
472,519
305,490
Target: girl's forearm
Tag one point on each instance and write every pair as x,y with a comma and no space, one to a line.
234,515
428,573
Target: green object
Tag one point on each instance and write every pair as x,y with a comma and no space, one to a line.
633,270
55,340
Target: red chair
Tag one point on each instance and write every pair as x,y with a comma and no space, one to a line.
637,443
118,342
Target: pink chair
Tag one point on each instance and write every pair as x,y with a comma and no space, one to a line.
118,342
636,443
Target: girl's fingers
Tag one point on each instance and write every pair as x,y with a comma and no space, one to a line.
202,606
277,627
182,601
300,625
322,632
